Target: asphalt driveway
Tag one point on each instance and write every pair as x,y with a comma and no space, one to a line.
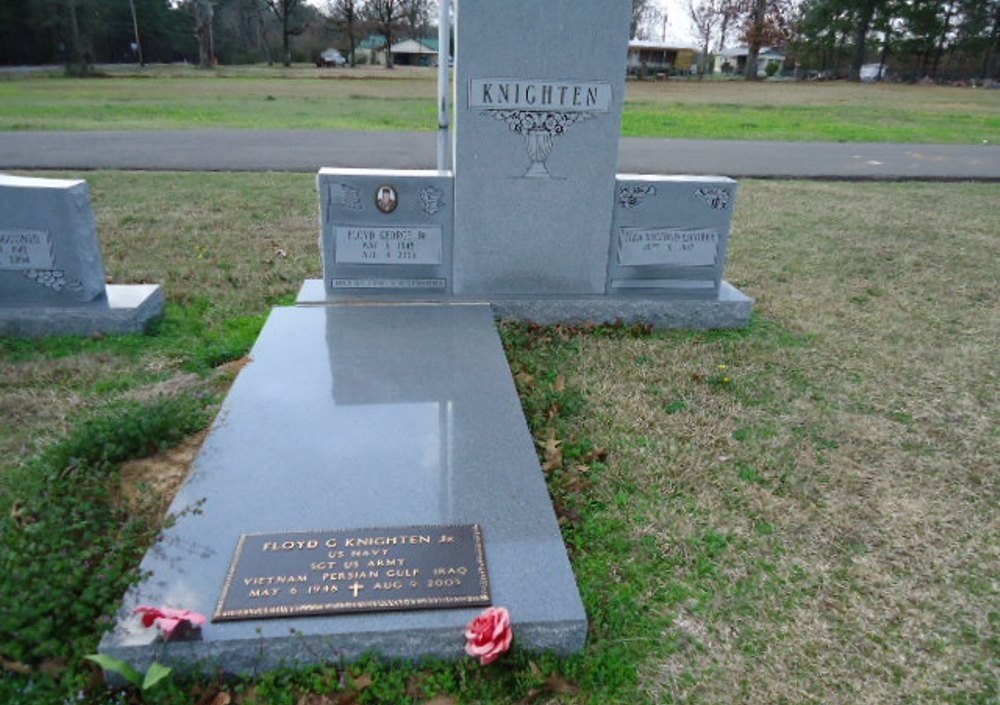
308,150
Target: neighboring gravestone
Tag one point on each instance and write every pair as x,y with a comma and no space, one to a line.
51,269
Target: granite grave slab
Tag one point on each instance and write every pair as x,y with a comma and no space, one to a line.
350,417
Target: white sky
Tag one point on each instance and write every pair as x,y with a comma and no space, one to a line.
679,27
680,30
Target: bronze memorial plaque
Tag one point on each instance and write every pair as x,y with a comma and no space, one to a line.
297,573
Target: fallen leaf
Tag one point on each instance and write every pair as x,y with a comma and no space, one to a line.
551,451
16,667
558,684
414,688
362,681
315,699
247,696
441,700
560,384
52,667
222,698
598,455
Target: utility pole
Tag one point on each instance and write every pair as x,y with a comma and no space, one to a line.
444,85
135,28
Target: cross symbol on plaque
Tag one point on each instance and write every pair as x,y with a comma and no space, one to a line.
356,588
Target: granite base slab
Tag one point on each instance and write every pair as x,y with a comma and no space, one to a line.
349,417
125,308
730,309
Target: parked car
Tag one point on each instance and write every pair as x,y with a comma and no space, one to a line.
331,57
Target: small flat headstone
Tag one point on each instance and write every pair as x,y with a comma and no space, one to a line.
385,232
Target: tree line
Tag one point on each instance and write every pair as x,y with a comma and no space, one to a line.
79,33
917,39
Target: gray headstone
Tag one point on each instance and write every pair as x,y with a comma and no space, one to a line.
538,99
670,234
385,232
51,269
49,251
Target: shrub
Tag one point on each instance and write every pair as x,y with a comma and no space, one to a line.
68,549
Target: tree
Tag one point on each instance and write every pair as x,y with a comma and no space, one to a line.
385,16
766,23
641,11
284,11
246,29
729,12
705,16
347,17
415,18
204,16
854,18
980,33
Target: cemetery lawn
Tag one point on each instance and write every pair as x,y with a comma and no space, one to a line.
374,99
802,511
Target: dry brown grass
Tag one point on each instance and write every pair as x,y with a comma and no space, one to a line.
833,93
850,465
828,518
224,246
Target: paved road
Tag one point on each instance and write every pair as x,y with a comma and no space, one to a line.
308,150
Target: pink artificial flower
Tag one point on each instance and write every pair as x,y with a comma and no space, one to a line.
172,622
489,635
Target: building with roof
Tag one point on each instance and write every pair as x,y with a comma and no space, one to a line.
415,52
736,60
651,56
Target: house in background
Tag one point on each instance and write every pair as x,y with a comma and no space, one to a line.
371,49
415,52
650,56
736,60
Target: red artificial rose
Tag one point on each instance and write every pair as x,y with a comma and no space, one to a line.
489,635
172,622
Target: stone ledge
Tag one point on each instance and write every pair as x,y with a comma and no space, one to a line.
731,309
126,308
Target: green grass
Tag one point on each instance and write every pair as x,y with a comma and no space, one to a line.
799,511
183,103
808,123
373,99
